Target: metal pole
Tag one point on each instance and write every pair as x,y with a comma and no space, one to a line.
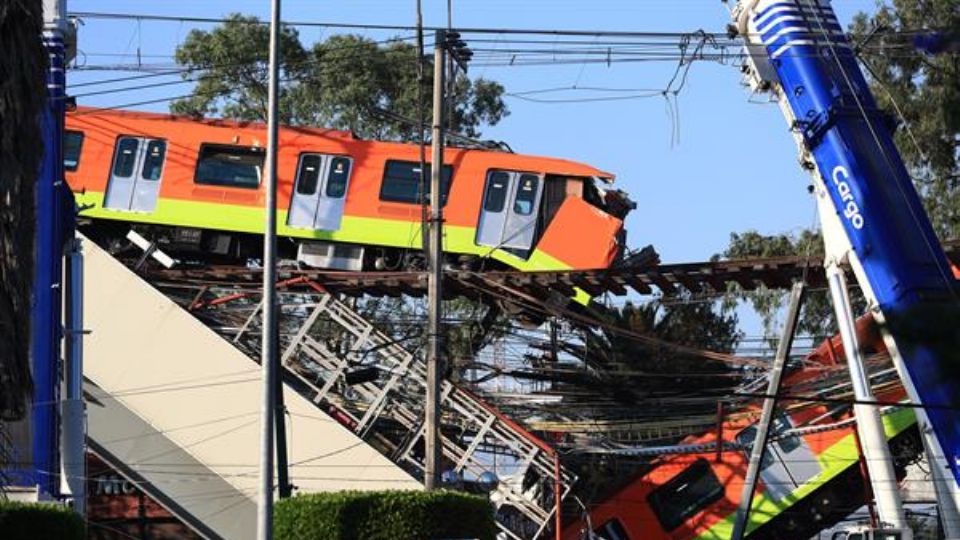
947,510
421,122
72,415
557,497
432,412
869,424
451,83
268,349
284,488
766,417
867,486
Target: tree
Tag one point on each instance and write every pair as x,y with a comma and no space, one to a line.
816,317
22,97
926,89
631,371
345,82
229,64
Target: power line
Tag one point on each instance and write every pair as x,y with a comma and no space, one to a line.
396,27
393,27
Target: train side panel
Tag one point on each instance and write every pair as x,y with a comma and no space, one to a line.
367,219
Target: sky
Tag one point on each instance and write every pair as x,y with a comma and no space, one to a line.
717,163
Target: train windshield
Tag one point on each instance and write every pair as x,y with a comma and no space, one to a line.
746,437
685,495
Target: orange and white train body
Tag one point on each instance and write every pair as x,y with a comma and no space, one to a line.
342,202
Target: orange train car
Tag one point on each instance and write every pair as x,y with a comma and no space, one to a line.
344,203
811,476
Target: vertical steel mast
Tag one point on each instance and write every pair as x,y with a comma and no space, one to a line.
268,352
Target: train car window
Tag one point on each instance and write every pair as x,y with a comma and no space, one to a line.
612,530
72,144
745,438
526,194
153,162
337,177
401,182
685,495
498,183
231,166
309,174
126,157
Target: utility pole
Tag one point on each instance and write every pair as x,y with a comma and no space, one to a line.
434,290
268,348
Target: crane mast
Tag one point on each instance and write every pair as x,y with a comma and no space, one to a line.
873,222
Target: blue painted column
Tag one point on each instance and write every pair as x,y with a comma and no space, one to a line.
46,330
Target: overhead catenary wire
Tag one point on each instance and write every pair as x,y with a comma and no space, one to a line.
398,27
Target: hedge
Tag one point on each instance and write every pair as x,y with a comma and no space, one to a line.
27,521
384,515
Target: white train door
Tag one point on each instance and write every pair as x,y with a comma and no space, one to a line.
511,206
320,192
136,174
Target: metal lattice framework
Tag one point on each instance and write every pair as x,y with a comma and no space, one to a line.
370,383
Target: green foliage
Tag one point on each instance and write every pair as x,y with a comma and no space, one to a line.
632,370
22,521
384,515
231,62
339,83
816,317
927,91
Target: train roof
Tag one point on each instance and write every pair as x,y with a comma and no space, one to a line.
549,164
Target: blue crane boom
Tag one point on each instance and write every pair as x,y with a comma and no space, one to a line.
800,53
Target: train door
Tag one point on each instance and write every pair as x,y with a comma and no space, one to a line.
136,174
511,203
320,192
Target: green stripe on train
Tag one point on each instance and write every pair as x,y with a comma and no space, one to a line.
357,230
833,461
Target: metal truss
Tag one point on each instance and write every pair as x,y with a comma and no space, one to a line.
386,407
372,384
